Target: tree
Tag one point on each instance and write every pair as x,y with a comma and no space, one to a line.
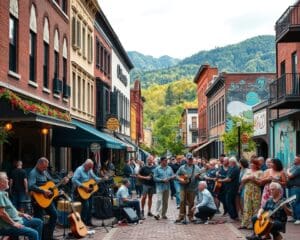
169,99
230,138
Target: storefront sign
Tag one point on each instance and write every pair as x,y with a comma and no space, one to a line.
112,123
95,147
260,123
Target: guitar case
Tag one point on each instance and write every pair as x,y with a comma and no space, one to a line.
130,215
103,208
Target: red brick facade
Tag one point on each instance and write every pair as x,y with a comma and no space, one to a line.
136,99
204,75
57,20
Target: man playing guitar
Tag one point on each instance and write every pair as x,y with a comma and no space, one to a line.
83,174
38,177
279,218
188,176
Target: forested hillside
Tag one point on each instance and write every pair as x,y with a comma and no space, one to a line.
256,54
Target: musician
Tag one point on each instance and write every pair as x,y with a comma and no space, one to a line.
162,176
12,222
279,218
146,175
188,187
176,183
123,196
232,181
38,177
205,204
83,174
293,175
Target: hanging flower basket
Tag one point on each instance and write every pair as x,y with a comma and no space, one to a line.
28,106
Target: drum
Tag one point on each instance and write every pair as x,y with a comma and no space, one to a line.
64,209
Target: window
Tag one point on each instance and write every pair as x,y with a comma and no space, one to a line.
78,33
83,41
13,30
105,62
64,6
46,66
88,98
101,56
73,90
74,31
83,95
92,99
108,66
107,100
97,53
194,137
79,92
65,71
56,64
32,59
194,122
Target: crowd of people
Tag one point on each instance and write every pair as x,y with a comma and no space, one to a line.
243,190
240,189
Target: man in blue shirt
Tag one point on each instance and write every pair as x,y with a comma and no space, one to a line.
206,207
12,222
123,196
38,177
162,176
83,174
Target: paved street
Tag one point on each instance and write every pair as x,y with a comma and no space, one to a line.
168,230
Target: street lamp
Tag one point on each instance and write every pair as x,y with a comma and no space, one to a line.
238,124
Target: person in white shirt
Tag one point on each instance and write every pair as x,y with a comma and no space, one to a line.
205,204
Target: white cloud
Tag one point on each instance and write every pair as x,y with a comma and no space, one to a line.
180,28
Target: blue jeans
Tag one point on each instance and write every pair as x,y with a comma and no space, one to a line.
296,204
32,229
177,193
18,198
86,211
51,211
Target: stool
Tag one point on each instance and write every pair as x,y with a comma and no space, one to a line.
26,206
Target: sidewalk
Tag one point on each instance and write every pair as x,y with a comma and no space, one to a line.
152,229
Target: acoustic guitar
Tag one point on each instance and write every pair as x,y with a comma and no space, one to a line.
263,226
93,187
78,228
44,201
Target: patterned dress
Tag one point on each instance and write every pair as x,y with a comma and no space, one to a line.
252,197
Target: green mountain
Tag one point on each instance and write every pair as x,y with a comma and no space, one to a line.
256,54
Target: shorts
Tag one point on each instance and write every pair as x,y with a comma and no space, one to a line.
148,189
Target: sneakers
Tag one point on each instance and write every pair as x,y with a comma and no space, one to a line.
178,207
297,222
157,217
150,214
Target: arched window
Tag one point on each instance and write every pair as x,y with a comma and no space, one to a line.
13,34
32,44
56,54
46,54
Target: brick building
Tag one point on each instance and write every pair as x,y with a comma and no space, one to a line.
285,90
34,77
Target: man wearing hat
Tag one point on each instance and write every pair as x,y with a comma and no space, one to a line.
188,177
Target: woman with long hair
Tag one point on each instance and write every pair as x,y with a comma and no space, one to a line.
252,193
273,174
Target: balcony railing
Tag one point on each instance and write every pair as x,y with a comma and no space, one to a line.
193,127
289,19
286,90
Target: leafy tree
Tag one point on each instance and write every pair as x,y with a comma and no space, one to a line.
230,138
169,96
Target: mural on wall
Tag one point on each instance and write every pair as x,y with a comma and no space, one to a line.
242,96
285,142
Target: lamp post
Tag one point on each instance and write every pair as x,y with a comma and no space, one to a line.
238,124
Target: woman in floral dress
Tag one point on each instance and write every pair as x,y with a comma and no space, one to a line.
252,193
273,174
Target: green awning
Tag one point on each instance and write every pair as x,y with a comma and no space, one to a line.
83,136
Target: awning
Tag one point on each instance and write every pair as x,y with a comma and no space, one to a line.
131,147
204,145
83,136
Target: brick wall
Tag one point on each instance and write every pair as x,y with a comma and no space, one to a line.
57,20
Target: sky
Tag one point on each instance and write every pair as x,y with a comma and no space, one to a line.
181,28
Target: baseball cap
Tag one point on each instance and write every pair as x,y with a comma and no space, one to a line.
189,155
